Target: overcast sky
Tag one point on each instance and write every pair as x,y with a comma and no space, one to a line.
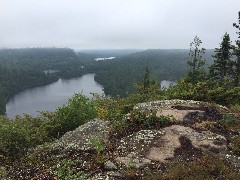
111,24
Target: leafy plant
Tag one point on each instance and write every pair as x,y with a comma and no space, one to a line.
68,169
78,111
98,144
228,120
13,139
99,147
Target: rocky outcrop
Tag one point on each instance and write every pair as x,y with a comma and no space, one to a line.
144,146
194,130
80,138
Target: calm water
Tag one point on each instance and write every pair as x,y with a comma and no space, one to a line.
50,96
166,84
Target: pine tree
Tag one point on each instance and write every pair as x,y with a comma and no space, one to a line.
222,63
196,61
148,87
236,52
146,80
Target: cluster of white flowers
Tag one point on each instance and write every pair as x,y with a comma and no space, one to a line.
167,103
140,140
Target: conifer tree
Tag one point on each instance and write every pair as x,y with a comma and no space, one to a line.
236,52
222,63
148,86
196,61
146,80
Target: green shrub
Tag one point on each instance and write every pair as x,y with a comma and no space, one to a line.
24,132
207,90
78,111
98,143
68,169
228,119
13,139
99,147
147,118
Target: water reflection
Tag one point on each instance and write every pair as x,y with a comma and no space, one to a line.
51,96
166,84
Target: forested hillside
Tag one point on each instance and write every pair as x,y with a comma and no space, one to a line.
119,75
98,53
23,68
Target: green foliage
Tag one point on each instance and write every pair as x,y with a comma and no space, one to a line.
236,64
118,76
13,138
237,25
196,61
147,87
222,66
99,147
236,53
113,109
120,112
23,68
228,119
67,169
97,143
24,132
147,118
207,90
78,111
146,81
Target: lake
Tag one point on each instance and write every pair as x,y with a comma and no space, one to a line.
51,96
166,84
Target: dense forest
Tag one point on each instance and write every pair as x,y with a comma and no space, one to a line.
118,76
24,68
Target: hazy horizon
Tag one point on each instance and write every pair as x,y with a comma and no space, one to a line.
116,24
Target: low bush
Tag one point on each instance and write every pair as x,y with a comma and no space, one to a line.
78,111
13,139
24,132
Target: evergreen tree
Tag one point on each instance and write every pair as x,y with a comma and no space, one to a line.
236,52
148,87
196,61
146,80
222,63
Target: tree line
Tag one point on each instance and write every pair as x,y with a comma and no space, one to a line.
226,65
23,68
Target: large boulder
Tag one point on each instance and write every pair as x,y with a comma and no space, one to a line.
80,138
144,146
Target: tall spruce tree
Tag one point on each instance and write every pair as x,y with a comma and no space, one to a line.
147,86
221,67
196,61
146,80
236,52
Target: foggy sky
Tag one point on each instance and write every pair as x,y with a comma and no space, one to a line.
112,24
